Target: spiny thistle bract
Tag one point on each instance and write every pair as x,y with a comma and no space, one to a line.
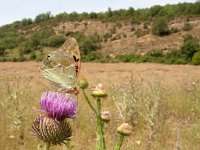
51,131
58,106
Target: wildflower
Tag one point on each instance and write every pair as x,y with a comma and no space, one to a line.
58,106
83,83
51,131
105,116
124,129
99,91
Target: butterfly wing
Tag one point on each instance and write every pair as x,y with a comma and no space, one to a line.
71,46
62,67
59,68
61,75
55,58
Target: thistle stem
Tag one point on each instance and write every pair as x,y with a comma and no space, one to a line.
89,103
100,133
119,143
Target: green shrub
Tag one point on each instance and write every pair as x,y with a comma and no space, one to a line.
113,30
33,56
189,48
95,38
145,25
10,41
25,51
96,57
118,24
174,30
160,27
56,41
2,51
86,43
196,58
42,17
139,33
187,37
107,35
187,27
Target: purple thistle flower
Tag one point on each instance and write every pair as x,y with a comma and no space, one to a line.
58,106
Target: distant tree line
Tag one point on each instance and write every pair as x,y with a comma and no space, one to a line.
168,11
19,38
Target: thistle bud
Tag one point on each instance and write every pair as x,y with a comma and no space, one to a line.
99,91
51,131
83,83
105,116
125,129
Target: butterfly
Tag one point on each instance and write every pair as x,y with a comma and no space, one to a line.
62,67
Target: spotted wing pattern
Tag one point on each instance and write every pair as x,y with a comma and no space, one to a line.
71,46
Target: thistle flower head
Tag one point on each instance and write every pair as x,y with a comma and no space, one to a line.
125,129
58,106
51,131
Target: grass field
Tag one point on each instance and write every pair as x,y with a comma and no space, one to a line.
162,102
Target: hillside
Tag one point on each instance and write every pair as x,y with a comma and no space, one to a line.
109,35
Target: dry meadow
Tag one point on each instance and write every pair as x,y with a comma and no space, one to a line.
162,102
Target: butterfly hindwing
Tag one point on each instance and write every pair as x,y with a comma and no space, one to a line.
63,76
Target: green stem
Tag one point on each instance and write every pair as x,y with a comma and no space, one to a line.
88,101
119,144
47,146
100,133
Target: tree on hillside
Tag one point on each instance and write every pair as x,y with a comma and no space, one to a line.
190,47
160,27
155,10
43,17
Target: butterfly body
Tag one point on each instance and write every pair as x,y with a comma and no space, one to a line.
62,67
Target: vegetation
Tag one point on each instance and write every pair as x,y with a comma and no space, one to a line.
31,39
196,58
187,27
163,114
160,27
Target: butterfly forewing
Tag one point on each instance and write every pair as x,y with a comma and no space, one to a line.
71,46
55,58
